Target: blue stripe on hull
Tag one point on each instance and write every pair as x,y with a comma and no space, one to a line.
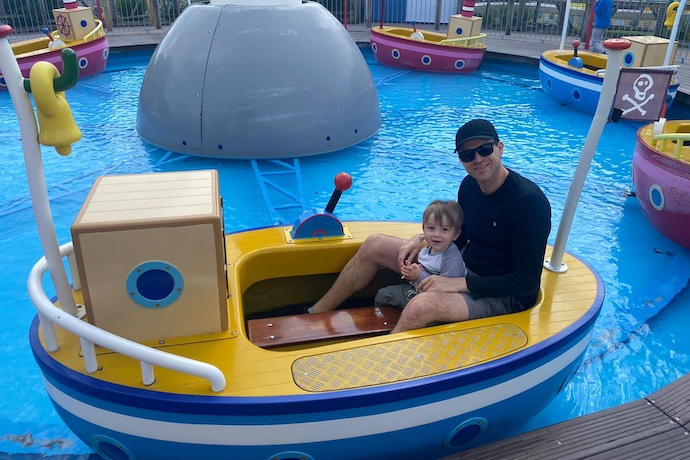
577,91
421,442
363,402
388,431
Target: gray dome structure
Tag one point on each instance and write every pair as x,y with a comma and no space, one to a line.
247,79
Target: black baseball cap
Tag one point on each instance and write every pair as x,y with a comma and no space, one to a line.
475,129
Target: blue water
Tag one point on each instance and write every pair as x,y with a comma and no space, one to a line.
407,163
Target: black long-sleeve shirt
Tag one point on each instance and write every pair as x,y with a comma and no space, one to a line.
507,233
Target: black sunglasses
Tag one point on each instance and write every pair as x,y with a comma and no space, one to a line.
483,150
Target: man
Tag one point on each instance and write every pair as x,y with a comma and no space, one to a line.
507,223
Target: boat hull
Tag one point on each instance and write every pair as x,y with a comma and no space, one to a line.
92,57
422,394
423,420
575,87
662,187
402,52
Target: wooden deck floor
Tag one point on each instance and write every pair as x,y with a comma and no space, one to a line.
656,427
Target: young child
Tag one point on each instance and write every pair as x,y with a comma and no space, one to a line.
441,223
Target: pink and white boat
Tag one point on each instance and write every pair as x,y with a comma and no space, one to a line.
661,176
92,52
408,48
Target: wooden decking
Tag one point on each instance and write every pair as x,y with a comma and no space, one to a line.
655,427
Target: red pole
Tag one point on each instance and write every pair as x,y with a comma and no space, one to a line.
589,32
100,12
345,11
381,15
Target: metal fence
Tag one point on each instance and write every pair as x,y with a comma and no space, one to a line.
539,20
29,17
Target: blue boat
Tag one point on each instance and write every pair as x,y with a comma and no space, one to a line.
575,77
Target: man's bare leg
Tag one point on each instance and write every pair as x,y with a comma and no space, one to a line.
378,251
429,308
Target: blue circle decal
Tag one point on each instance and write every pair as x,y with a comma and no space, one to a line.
656,197
628,59
466,432
155,284
110,448
292,455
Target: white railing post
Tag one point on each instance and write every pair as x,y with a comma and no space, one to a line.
89,353
49,334
147,376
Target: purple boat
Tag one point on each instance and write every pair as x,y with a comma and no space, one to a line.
661,176
408,48
92,52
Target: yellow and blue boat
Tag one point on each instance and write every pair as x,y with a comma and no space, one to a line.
576,77
259,389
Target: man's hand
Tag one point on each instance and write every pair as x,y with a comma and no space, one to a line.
440,283
409,251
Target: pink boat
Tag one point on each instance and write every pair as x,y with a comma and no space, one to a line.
92,53
408,48
661,176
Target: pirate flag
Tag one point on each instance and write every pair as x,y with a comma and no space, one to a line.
641,94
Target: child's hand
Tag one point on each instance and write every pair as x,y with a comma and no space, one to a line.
411,272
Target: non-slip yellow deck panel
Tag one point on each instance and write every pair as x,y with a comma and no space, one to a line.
406,359
253,371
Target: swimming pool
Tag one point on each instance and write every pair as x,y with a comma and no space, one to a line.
407,163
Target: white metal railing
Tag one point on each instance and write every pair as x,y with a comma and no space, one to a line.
90,335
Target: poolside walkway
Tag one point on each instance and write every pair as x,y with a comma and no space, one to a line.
498,46
656,427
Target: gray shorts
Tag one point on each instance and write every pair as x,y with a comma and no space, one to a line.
400,294
397,295
489,306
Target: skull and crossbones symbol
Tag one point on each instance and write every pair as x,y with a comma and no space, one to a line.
641,87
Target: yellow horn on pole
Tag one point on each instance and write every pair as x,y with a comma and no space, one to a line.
671,11
56,123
